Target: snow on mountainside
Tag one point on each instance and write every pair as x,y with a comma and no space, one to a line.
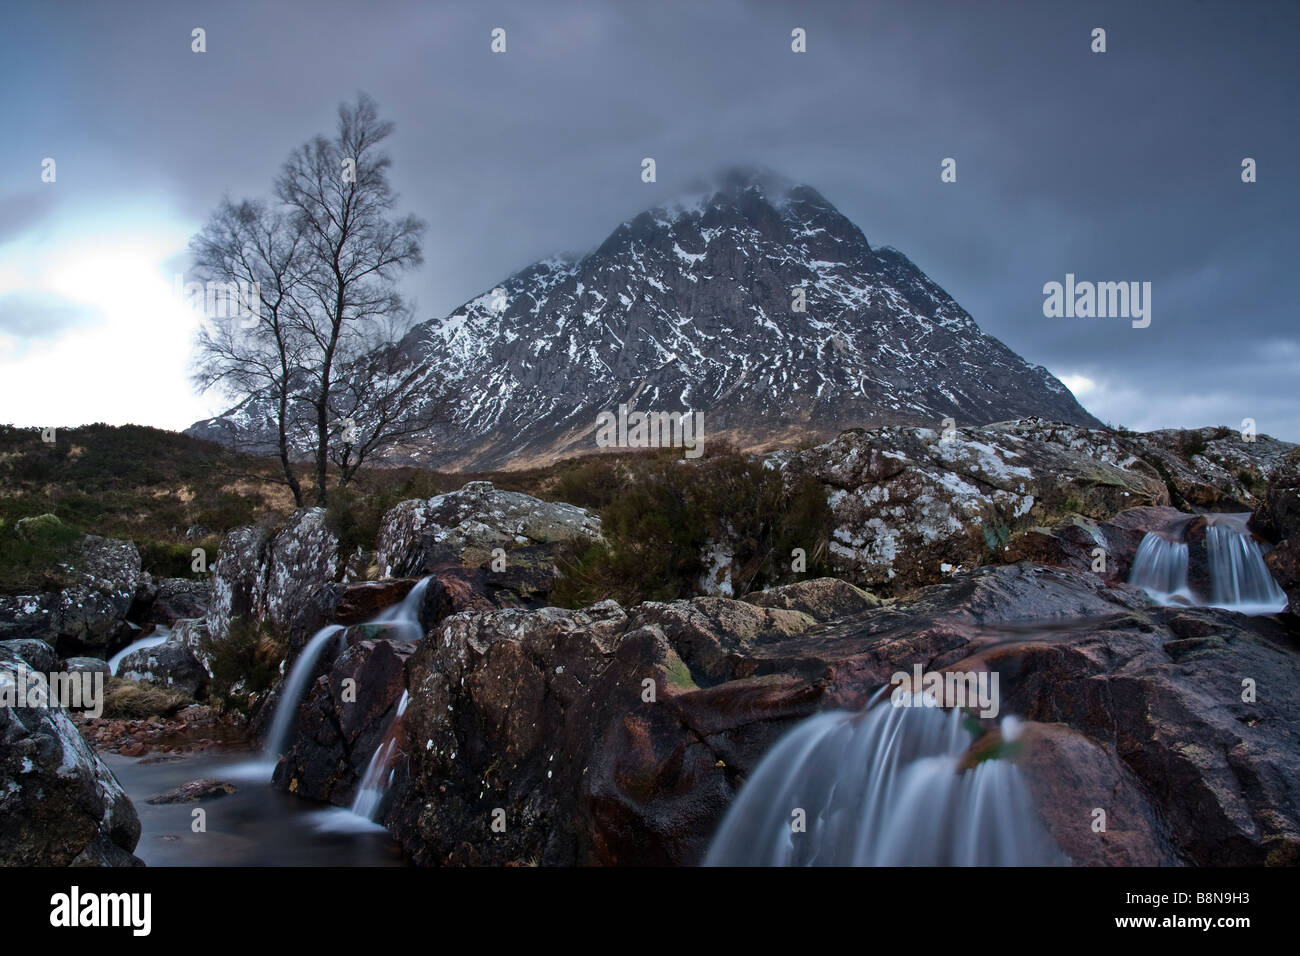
691,307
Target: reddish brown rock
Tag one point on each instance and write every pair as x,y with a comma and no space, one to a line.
1131,709
342,719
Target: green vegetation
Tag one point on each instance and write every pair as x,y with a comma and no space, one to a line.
245,662
660,512
31,552
144,484
170,494
356,509
1194,443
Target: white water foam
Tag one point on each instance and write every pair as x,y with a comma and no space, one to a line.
882,788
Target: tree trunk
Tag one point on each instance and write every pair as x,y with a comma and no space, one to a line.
289,476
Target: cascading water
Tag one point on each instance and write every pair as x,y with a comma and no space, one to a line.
160,634
379,772
286,707
882,788
1160,568
1239,578
403,618
404,621
401,621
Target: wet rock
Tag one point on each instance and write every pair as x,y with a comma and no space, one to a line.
1074,541
344,603
455,589
1278,521
822,599
342,720
60,805
194,792
1071,778
1284,564
606,736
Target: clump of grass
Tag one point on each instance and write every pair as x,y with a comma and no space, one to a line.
136,700
592,482
356,510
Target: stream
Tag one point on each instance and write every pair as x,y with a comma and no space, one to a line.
255,826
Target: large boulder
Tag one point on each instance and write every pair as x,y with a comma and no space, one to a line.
1083,543
911,505
335,737
38,655
264,575
98,583
338,730
172,664
1213,469
465,527
59,804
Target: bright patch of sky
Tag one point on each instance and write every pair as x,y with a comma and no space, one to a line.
91,327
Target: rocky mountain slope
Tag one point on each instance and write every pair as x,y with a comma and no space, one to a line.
754,301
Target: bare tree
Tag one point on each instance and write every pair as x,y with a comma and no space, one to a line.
379,400
257,353
338,195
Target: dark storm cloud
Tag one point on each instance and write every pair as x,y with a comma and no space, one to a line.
1116,166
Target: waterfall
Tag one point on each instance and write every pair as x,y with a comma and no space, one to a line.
286,708
404,617
379,772
1239,578
882,788
1160,568
160,634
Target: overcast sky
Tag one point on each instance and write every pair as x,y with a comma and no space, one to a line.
1122,166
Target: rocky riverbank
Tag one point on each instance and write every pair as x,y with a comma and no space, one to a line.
516,732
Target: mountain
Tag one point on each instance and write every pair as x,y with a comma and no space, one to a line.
691,306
